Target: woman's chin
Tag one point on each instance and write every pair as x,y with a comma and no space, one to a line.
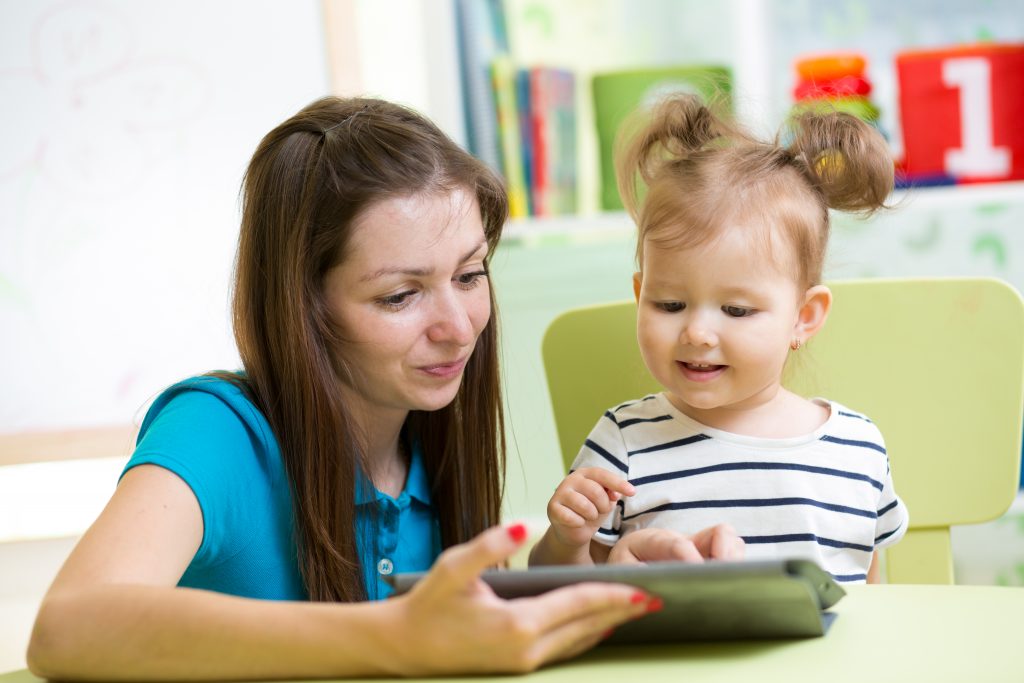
436,400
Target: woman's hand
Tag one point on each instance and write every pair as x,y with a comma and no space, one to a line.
454,623
720,542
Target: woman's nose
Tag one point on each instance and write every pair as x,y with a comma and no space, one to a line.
452,322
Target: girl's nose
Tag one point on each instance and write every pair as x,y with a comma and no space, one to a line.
698,331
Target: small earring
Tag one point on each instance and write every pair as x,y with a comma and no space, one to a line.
796,344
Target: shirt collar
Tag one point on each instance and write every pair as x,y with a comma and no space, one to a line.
417,485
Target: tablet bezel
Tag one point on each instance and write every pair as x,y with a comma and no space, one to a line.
713,600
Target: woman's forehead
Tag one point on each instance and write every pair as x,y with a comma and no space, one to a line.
406,229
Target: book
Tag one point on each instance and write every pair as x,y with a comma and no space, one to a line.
527,139
553,118
480,28
503,77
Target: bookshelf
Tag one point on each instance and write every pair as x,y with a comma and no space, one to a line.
757,40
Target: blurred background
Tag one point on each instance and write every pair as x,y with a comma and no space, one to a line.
127,125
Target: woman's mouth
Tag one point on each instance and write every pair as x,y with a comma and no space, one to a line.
445,370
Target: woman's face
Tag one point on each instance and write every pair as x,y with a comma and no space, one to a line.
411,297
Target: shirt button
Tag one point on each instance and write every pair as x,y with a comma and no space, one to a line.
385,566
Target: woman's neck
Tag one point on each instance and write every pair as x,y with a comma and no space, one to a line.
386,457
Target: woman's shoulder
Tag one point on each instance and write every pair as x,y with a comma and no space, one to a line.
229,387
206,428
214,403
219,393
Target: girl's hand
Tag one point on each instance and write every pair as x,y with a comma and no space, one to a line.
582,501
452,622
719,542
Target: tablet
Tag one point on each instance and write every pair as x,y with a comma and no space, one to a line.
713,600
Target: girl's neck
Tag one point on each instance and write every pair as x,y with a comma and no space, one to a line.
780,415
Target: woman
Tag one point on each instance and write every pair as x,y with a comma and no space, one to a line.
261,509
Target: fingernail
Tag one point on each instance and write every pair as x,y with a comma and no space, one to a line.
638,597
517,532
607,634
655,605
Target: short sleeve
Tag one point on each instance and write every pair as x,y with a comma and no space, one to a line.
201,439
605,448
893,516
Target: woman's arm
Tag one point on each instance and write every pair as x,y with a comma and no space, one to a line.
114,612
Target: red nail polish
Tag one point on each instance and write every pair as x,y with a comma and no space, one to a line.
517,532
655,605
637,598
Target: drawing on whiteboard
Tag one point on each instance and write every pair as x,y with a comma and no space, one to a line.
81,71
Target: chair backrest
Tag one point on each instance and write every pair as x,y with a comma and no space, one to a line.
938,365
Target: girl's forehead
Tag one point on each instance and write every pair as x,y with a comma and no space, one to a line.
748,235
742,247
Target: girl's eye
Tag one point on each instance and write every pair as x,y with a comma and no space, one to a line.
737,311
470,280
395,301
670,306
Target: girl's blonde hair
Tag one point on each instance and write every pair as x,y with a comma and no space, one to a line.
687,172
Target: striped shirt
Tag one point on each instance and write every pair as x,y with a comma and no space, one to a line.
825,496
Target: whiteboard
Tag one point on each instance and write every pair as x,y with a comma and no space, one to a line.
126,128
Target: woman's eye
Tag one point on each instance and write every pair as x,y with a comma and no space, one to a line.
670,306
470,280
737,311
395,301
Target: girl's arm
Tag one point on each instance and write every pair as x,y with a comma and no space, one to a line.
875,570
113,612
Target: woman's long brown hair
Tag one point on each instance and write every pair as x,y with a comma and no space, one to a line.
308,180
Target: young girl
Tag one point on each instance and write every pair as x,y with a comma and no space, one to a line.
262,508
732,239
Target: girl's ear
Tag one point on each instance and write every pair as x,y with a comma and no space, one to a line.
813,313
637,279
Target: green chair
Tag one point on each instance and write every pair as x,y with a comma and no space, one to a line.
938,364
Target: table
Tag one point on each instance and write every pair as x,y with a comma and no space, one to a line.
883,633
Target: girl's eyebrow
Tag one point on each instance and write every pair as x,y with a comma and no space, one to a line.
421,272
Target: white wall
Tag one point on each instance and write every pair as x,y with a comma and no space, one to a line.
126,128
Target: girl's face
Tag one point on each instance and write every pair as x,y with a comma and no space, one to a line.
715,324
411,297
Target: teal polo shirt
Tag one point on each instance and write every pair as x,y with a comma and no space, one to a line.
211,436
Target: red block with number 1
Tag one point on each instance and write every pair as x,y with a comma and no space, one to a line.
962,112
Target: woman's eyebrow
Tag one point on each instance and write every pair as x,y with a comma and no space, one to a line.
420,272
